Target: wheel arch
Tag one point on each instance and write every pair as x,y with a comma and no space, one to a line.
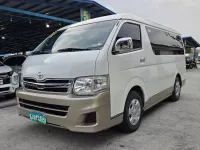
140,91
138,85
179,76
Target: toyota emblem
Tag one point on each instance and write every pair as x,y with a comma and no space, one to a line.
40,75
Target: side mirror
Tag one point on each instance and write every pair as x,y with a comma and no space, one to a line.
123,44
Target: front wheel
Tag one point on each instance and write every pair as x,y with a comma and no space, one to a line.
133,112
177,90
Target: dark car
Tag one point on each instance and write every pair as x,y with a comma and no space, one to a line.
1,58
190,63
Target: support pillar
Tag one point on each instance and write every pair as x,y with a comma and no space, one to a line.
195,53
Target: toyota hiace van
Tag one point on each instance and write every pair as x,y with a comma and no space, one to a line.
92,75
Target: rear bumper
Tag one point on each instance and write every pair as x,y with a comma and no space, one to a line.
8,89
78,109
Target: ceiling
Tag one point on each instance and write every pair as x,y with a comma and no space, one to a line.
23,23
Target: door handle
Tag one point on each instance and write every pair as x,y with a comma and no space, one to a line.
142,59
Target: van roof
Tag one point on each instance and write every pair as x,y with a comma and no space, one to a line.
122,16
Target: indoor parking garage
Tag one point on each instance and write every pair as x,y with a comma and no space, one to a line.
24,24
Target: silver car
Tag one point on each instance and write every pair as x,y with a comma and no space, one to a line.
15,62
9,81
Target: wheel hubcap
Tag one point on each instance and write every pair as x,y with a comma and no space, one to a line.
134,111
177,88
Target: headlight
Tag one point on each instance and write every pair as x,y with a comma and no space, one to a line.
10,73
15,79
90,85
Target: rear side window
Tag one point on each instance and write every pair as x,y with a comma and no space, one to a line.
165,43
133,31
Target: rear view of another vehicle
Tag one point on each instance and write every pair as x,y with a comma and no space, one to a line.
15,62
9,81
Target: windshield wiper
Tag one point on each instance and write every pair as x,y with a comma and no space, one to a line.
40,52
73,49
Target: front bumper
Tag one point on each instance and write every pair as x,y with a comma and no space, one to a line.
7,89
79,107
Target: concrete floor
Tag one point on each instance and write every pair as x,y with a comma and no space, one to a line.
169,126
7,102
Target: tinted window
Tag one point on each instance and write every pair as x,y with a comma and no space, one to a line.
14,61
165,43
133,31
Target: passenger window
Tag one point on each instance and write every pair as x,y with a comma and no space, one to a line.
165,43
133,31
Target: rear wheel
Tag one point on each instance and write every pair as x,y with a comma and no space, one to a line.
133,112
177,90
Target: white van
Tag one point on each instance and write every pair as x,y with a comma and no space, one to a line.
9,81
103,72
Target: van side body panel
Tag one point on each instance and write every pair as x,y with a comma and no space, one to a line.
156,76
126,71
168,67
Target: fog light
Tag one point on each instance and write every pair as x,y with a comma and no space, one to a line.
90,119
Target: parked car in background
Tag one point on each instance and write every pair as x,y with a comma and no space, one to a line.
198,59
190,62
9,81
15,62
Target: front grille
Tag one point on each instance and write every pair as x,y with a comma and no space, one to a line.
7,80
4,89
5,74
52,109
5,77
48,85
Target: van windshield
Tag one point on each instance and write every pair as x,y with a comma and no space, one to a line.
81,38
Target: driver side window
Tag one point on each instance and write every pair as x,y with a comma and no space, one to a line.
133,31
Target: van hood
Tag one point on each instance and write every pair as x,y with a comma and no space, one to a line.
5,69
61,65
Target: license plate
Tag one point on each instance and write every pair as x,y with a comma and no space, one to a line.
38,117
1,82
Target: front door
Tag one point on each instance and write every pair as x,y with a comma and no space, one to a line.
126,65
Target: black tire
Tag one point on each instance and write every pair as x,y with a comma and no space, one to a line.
126,125
10,96
174,97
